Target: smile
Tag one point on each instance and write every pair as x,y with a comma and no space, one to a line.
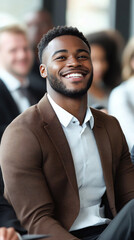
74,75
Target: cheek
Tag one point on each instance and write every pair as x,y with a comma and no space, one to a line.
30,57
132,63
100,66
12,59
105,67
54,69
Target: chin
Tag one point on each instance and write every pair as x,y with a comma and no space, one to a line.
23,72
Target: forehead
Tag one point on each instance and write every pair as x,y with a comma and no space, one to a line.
66,42
8,38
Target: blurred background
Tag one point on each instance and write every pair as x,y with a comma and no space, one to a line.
109,28
87,15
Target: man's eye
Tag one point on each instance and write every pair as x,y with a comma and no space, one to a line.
60,58
82,56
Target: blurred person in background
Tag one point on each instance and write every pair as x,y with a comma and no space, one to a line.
38,23
119,40
16,59
132,154
106,67
9,224
121,101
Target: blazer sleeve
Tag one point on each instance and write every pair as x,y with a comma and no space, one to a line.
25,184
7,215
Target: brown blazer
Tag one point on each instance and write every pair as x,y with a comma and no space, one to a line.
39,174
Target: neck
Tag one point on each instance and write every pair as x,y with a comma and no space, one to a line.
75,106
21,79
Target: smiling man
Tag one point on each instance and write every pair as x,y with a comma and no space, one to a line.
66,167
17,91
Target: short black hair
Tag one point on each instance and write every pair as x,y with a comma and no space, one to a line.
56,32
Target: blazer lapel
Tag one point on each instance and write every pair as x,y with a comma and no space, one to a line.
57,136
105,152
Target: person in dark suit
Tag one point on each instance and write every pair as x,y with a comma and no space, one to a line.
132,154
17,85
38,23
70,164
9,224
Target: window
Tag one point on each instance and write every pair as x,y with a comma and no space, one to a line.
88,15
12,10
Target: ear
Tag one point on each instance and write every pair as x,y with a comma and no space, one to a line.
43,70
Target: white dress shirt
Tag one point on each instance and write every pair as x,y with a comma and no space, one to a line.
87,165
13,86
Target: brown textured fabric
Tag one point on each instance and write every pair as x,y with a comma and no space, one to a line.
39,174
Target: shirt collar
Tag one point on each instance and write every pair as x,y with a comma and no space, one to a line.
65,117
10,81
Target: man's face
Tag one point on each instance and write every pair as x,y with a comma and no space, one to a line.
16,57
67,66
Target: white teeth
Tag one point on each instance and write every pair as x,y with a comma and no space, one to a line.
74,75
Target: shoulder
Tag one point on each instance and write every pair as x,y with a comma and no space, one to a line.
109,122
103,117
118,90
24,126
21,137
31,122
123,88
110,126
2,85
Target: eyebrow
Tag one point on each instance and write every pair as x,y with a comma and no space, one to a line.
64,50
83,50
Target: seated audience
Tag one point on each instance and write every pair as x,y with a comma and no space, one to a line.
9,224
119,40
17,92
106,67
38,23
132,154
66,167
121,101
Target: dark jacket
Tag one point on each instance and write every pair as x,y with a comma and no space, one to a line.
9,109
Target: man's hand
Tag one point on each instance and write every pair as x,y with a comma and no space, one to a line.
8,234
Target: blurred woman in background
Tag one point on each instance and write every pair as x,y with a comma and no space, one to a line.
121,101
106,67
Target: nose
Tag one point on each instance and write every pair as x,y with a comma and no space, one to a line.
21,54
73,62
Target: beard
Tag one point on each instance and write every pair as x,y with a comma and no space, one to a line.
60,87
